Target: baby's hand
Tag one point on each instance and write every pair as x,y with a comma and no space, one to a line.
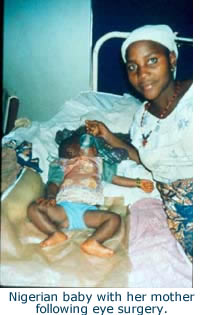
46,202
146,185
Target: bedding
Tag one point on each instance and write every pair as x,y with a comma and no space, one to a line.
115,111
147,255
24,263
26,189
9,167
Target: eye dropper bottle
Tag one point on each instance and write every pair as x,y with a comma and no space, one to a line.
86,141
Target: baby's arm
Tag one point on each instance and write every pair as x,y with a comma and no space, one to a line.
55,177
144,184
51,190
50,195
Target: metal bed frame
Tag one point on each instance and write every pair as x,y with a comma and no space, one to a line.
10,111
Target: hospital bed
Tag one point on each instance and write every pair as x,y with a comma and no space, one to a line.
147,255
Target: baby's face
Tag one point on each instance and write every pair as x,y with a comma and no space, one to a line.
72,151
75,150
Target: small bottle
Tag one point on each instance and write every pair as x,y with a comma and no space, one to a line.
86,141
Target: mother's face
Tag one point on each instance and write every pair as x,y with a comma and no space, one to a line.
149,67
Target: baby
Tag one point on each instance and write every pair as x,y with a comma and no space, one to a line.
72,194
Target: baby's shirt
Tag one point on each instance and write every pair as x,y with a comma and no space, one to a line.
79,179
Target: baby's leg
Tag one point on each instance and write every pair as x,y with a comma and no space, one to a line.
49,219
106,225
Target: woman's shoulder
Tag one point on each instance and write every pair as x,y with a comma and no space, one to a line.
187,83
185,104
187,87
186,94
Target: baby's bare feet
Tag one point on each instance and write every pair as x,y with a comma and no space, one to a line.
92,247
54,239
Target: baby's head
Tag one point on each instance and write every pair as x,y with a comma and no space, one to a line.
77,145
70,147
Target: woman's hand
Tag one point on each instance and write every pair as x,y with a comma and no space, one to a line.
97,129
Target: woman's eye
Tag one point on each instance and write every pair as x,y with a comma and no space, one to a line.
152,61
131,67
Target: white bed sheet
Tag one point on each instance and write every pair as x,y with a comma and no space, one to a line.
115,111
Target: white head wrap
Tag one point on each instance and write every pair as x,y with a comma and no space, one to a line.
161,34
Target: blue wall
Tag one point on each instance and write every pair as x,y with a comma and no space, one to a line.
46,49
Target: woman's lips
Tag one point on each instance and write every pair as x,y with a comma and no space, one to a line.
147,86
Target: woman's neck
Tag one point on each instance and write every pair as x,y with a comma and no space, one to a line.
168,100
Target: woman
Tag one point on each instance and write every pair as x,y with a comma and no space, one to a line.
161,133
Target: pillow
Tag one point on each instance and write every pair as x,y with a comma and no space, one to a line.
28,188
9,167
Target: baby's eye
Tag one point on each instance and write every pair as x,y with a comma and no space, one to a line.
70,154
152,60
131,67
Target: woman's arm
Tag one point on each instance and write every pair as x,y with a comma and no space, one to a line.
97,128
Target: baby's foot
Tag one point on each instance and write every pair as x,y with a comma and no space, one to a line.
92,247
54,239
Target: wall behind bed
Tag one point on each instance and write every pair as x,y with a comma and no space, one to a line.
125,16
46,53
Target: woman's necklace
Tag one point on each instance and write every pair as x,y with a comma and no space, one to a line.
162,114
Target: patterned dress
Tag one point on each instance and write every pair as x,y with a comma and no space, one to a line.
168,155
